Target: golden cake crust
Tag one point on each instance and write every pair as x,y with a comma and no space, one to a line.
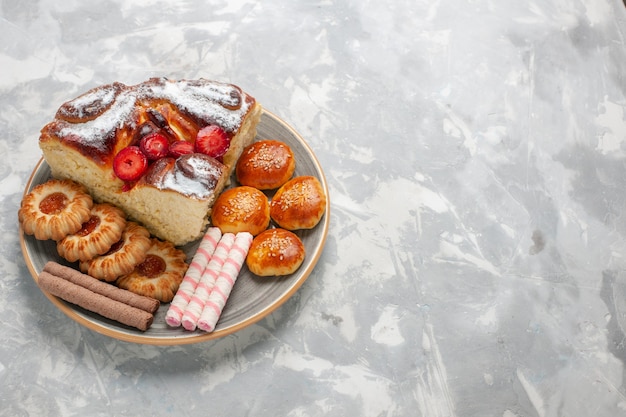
159,275
54,209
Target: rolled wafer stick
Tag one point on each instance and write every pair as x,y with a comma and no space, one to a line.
224,283
148,304
97,303
192,277
197,301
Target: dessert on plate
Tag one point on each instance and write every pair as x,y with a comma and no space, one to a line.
54,209
241,209
161,150
159,275
298,204
97,235
275,252
266,164
138,170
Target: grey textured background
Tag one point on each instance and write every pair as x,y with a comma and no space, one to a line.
476,160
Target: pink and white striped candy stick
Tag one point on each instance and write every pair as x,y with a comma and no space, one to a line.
207,281
225,282
192,277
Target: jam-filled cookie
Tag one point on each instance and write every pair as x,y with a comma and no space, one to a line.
123,256
159,275
54,209
98,234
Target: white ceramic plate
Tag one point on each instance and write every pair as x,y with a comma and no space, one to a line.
252,297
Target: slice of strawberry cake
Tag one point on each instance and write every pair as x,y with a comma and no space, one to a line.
162,150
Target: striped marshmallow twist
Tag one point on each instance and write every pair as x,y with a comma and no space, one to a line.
224,283
207,281
192,277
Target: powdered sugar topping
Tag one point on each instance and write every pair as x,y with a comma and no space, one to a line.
92,119
195,175
98,133
90,104
211,102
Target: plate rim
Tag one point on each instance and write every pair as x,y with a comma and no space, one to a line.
199,337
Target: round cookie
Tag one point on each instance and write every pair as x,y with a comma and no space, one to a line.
266,164
298,204
159,275
96,236
123,256
55,209
241,209
275,252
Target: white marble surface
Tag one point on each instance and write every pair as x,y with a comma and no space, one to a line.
476,158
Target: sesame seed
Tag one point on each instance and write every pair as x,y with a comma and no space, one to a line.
243,206
276,246
267,158
298,195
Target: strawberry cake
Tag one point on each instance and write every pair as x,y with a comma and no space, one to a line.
162,150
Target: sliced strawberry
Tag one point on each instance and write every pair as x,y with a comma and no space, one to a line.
212,141
154,145
130,163
180,147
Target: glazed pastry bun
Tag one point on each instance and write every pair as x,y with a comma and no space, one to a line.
298,204
241,209
275,252
266,165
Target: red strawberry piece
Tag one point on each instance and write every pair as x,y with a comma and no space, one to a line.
180,147
130,163
212,141
154,145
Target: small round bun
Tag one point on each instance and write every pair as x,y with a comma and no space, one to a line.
241,209
298,204
266,165
275,252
